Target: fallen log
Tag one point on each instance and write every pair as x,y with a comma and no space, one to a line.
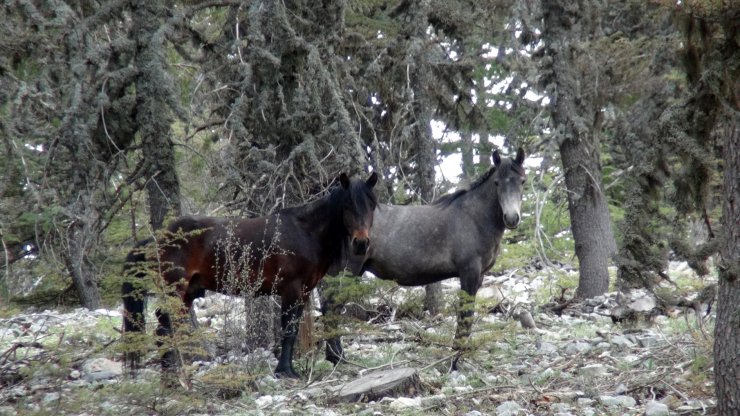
394,382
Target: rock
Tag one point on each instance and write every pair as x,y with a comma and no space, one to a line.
545,374
584,401
567,396
474,413
18,391
457,379
630,358
622,341
491,294
592,370
621,389
648,341
623,401
547,348
434,401
100,369
74,374
51,397
653,408
263,401
462,389
679,267
37,327
596,300
560,407
577,348
406,403
643,304
508,408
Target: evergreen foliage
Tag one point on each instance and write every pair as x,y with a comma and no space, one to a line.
111,112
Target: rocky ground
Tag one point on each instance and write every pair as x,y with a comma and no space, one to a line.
575,360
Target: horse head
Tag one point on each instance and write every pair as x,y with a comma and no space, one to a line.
509,179
357,210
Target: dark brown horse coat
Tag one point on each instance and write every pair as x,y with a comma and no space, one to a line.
285,253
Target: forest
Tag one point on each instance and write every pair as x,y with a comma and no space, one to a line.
616,293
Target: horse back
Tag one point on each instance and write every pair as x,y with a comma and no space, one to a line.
422,244
410,244
262,255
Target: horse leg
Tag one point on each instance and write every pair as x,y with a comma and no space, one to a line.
470,281
169,359
194,291
197,344
290,314
330,311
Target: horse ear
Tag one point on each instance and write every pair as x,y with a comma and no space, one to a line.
372,180
344,180
496,158
519,156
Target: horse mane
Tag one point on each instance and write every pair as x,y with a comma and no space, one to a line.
446,200
333,200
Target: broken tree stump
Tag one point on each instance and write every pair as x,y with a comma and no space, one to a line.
393,382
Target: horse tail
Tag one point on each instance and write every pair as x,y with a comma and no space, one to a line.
133,294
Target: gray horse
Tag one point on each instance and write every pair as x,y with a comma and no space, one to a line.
457,235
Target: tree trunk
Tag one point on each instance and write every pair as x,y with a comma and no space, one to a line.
589,215
466,150
576,118
74,255
153,117
727,327
425,158
421,118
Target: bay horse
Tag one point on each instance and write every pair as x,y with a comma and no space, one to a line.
285,253
458,235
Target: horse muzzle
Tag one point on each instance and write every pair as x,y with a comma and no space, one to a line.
511,221
360,245
360,241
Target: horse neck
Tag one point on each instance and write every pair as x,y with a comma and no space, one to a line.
322,219
483,203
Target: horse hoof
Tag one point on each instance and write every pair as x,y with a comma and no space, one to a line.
287,373
334,358
455,361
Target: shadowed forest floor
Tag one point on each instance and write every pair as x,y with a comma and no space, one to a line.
576,361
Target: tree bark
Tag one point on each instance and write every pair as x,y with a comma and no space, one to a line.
573,78
466,150
74,255
421,117
727,327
